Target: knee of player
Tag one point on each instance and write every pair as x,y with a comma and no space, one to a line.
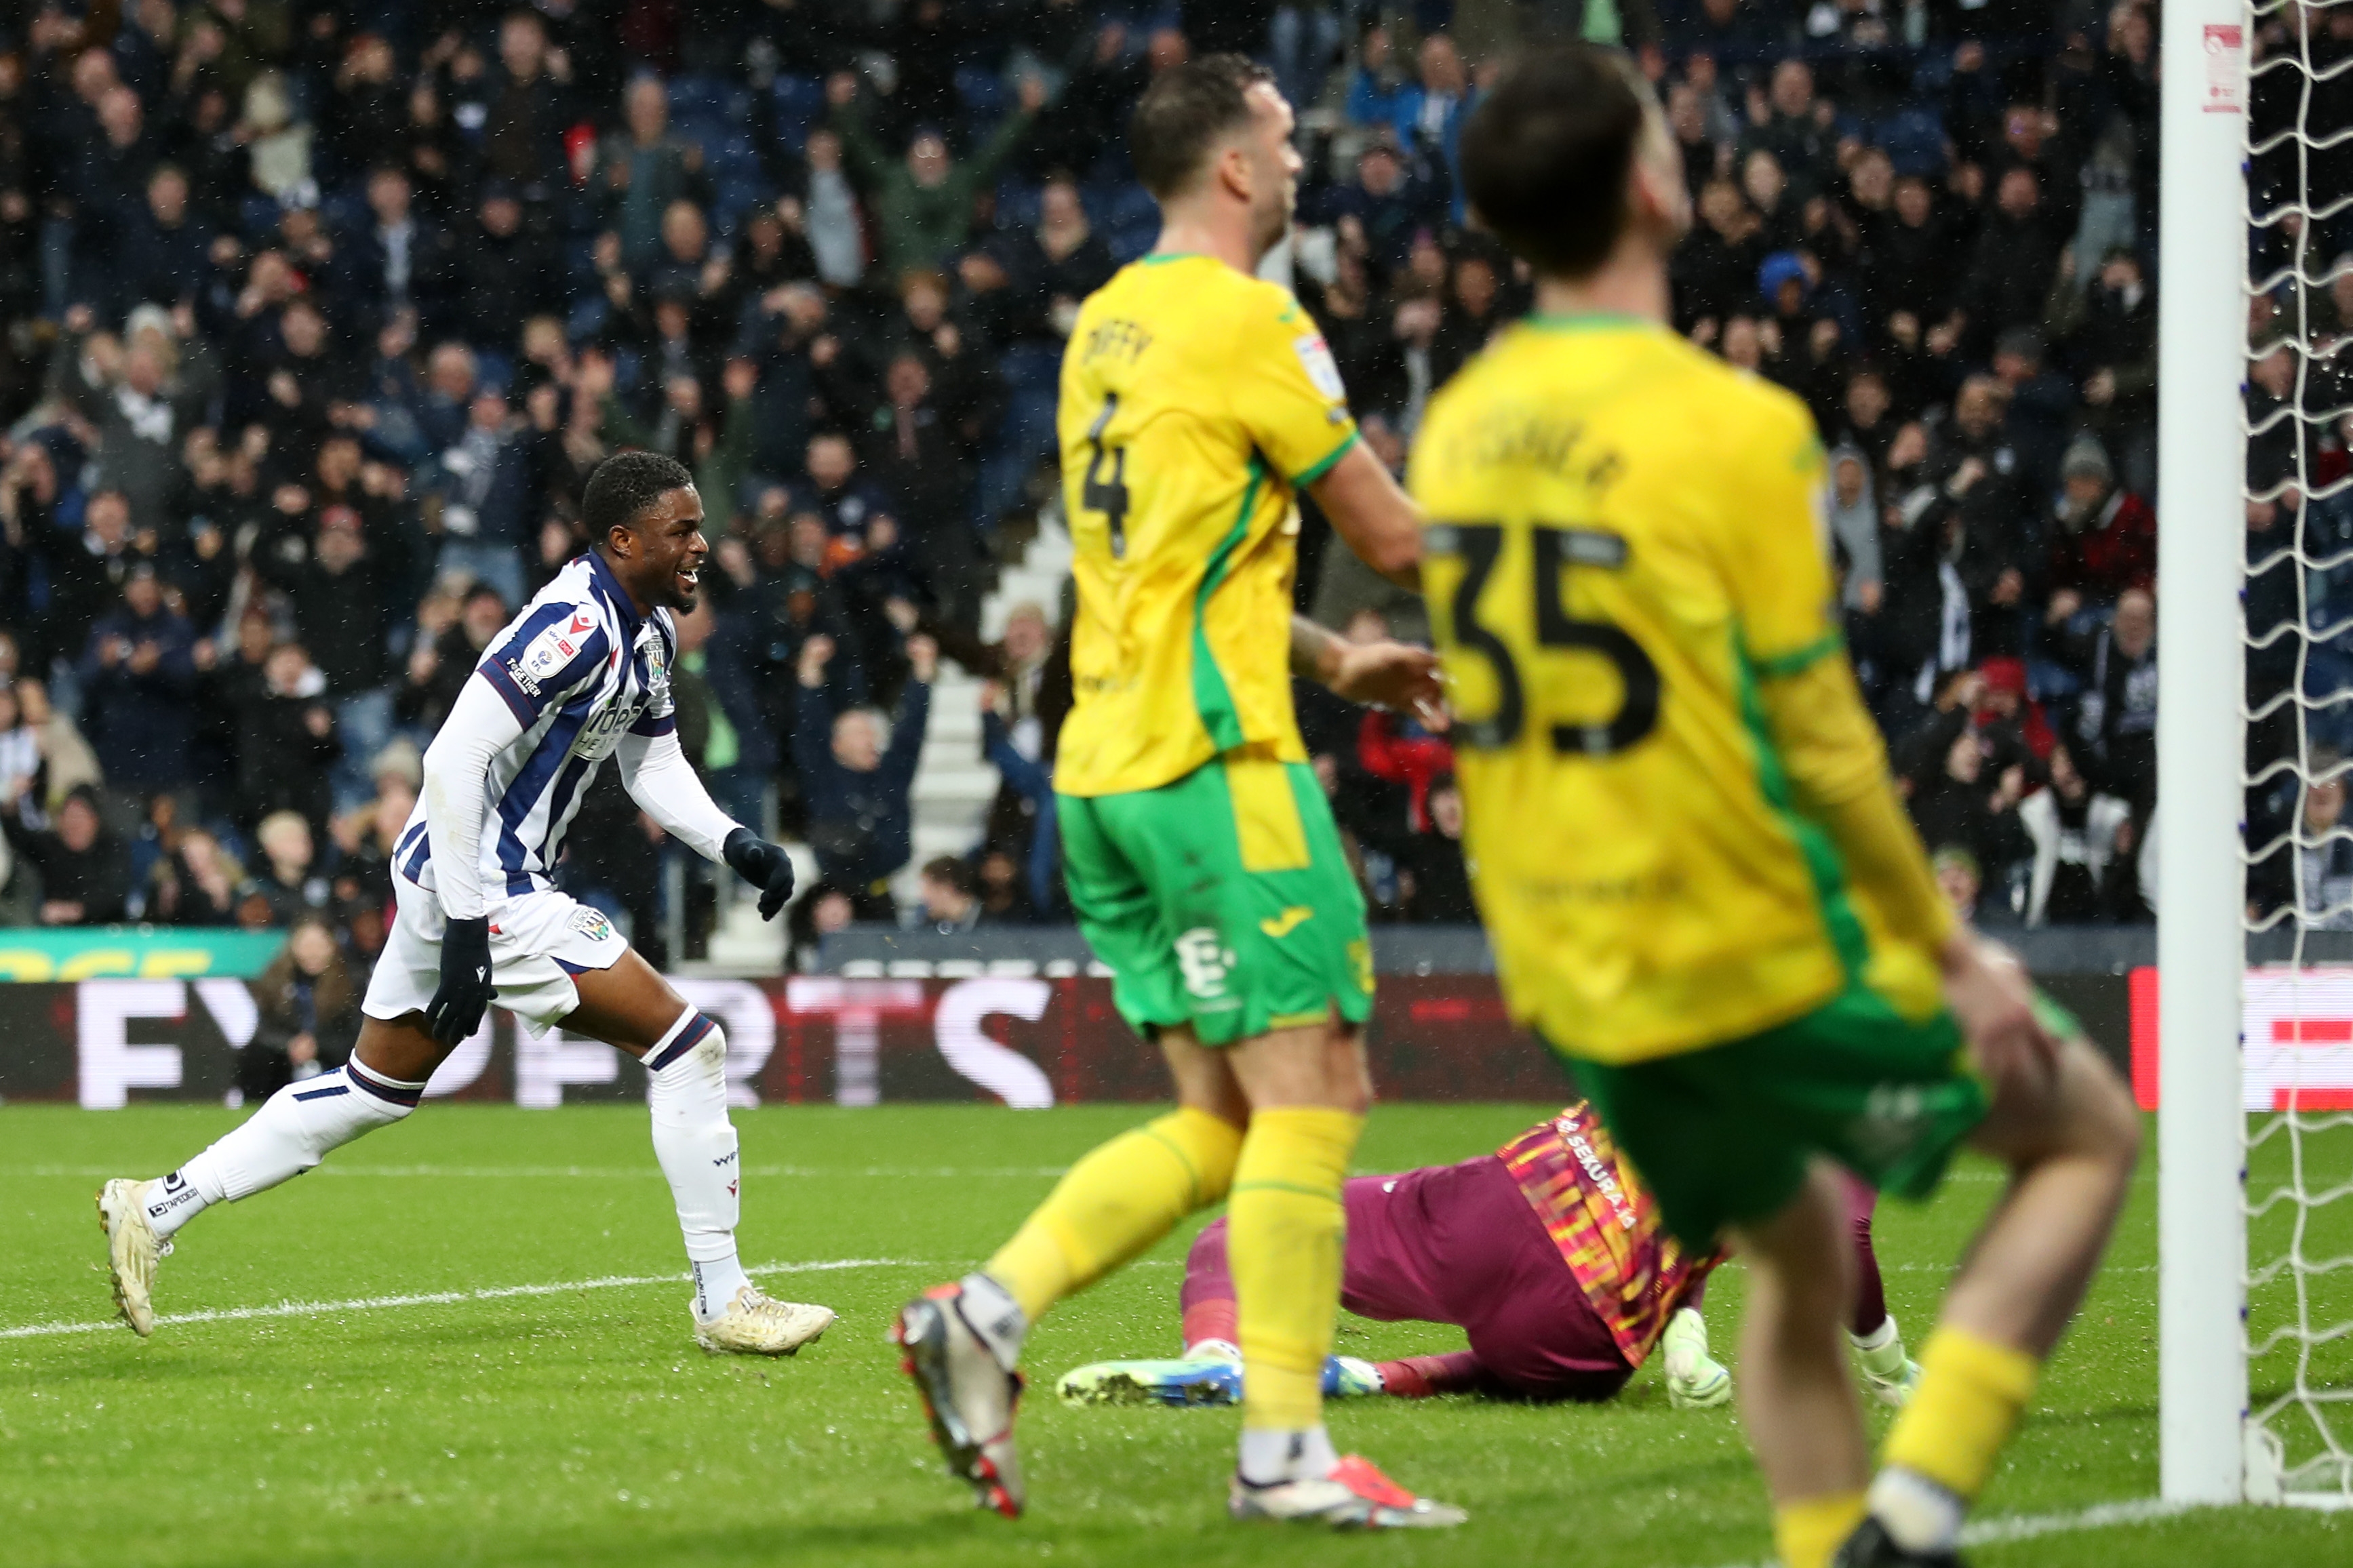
2098,1118
2120,1127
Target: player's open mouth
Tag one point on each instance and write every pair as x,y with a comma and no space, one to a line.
689,577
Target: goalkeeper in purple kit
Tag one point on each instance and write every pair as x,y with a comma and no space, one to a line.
1547,1253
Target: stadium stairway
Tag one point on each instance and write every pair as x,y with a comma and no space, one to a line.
952,784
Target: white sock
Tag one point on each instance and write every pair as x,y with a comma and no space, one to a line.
1213,1350
184,1194
1270,1457
686,1091
1921,1515
991,1313
293,1130
1878,1339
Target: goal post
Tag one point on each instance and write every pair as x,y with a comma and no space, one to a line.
2201,365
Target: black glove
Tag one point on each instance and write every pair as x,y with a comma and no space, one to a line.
455,1010
764,865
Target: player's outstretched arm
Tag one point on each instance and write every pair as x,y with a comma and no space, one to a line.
1385,673
655,771
1373,515
482,724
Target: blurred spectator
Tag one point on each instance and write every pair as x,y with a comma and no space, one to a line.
2105,541
1436,884
855,787
950,895
288,740
84,867
923,202
2116,723
137,676
2074,831
196,884
288,882
309,1003
443,658
817,914
643,169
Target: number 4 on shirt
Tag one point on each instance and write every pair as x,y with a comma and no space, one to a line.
1107,494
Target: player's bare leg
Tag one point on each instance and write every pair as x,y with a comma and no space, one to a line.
1308,1090
2070,1141
628,1006
1795,1398
962,1340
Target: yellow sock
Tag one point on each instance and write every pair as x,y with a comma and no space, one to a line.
1285,1231
1116,1202
1971,1393
1809,1532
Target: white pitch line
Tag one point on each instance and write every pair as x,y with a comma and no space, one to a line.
2005,1528
444,1298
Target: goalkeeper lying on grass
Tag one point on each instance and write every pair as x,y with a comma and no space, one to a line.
1547,1253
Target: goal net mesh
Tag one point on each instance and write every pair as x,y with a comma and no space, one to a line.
2298,1038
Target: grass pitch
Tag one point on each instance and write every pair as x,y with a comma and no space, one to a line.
574,1423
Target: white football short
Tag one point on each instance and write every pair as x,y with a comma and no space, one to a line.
539,941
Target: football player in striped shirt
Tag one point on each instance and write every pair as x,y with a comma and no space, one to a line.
582,675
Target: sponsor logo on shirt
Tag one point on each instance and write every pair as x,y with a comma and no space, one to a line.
1317,356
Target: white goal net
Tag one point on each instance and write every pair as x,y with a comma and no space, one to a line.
2296,1036
2255,752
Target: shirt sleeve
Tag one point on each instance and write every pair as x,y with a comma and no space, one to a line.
1778,544
1827,745
540,659
1287,389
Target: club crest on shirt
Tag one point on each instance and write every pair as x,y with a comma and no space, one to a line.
592,924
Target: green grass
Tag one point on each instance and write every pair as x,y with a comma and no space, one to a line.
583,1428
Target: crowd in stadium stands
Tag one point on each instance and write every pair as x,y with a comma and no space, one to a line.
316,315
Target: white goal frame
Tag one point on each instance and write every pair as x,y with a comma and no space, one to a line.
2201,877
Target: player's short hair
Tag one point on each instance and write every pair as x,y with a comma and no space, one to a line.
1185,113
626,486
1546,156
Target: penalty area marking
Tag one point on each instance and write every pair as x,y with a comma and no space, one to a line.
2004,1529
444,1298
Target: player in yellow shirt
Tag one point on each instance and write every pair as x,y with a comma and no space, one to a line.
1196,401
1701,884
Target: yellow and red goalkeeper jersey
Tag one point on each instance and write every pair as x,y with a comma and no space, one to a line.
1606,1225
1196,400
1627,567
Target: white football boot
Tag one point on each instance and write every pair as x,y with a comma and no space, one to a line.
1354,1496
754,1324
968,1395
133,1251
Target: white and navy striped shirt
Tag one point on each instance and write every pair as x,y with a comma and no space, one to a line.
579,668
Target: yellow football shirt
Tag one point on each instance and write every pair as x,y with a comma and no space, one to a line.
1625,539
1195,401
